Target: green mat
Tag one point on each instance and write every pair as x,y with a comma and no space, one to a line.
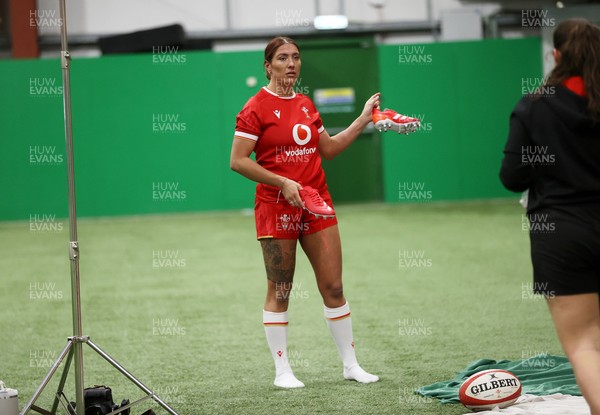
540,375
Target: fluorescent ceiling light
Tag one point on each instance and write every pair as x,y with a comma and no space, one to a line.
330,22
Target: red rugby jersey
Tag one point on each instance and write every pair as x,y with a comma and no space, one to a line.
286,131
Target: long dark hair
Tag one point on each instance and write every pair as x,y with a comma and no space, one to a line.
578,41
272,47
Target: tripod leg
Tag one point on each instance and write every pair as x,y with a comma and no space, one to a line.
51,372
63,379
132,378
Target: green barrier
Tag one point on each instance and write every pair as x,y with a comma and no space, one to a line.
464,93
152,133
355,174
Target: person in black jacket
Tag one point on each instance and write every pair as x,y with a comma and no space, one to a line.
553,151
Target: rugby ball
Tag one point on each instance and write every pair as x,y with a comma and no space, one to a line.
489,388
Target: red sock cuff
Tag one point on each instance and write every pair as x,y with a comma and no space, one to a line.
338,313
271,318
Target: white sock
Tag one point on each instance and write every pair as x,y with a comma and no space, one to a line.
276,330
340,326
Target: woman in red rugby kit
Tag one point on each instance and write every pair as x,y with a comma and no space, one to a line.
292,203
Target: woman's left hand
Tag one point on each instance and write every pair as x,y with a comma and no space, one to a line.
371,103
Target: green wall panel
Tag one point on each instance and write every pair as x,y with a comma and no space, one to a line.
31,117
464,91
141,127
234,71
148,137
355,174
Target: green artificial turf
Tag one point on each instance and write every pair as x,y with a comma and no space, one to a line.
177,300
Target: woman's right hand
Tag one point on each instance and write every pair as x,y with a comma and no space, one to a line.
290,188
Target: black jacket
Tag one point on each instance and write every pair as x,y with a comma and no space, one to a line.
553,150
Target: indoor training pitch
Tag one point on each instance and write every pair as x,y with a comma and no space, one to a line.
177,300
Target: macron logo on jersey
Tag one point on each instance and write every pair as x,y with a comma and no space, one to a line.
277,113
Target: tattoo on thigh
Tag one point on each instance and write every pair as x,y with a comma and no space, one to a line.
272,252
278,269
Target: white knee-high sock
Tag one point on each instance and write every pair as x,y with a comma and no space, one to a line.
340,326
276,331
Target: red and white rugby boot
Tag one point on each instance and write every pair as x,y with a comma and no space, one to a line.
391,120
314,203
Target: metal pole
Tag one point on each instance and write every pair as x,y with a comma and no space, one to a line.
51,372
73,244
63,380
74,346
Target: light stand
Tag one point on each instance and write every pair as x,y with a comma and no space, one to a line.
74,347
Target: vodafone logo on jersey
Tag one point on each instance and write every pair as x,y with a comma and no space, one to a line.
301,134
300,153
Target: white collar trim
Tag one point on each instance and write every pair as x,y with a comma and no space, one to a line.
279,96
